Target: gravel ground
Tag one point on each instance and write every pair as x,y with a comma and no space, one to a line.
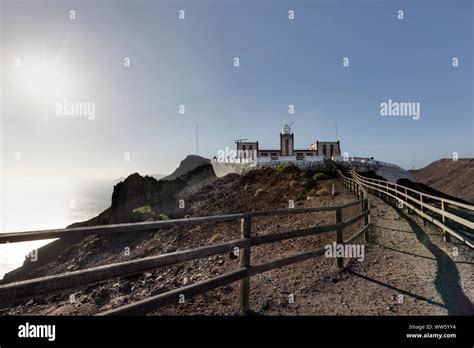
407,270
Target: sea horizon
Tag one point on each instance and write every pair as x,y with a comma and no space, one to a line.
46,203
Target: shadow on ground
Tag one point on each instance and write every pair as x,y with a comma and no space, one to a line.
447,279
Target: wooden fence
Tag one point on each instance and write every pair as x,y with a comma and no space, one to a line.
421,203
29,288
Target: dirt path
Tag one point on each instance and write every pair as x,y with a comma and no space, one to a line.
405,258
407,270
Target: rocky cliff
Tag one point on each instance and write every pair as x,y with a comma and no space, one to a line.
142,198
190,163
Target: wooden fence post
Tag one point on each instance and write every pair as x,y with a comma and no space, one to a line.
365,207
389,199
367,222
447,236
245,228
339,240
406,200
422,210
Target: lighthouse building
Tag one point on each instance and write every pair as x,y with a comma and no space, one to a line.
317,151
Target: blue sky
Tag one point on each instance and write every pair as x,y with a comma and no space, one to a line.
190,62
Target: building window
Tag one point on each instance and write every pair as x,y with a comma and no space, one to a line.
273,154
324,150
332,150
250,147
309,154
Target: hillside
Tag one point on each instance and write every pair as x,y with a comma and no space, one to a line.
455,178
190,163
203,194
156,176
401,255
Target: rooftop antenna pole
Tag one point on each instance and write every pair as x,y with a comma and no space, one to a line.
197,138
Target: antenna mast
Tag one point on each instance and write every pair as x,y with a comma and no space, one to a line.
197,138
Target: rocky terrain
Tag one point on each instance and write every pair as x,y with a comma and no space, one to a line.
317,285
203,194
455,178
190,163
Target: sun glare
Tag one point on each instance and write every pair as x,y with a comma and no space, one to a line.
44,81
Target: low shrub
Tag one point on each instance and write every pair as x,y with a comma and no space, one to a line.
163,217
215,238
287,168
321,177
146,209
323,192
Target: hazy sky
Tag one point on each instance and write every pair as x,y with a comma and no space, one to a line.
48,58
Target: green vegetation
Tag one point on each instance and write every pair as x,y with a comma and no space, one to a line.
149,213
308,184
163,217
323,191
287,168
146,209
320,177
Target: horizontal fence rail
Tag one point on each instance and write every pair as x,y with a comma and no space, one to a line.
418,202
15,291
15,237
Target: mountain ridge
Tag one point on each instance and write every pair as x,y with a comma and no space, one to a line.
455,178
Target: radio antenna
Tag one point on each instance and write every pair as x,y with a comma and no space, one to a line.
197,138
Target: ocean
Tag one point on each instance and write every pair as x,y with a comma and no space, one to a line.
45,203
